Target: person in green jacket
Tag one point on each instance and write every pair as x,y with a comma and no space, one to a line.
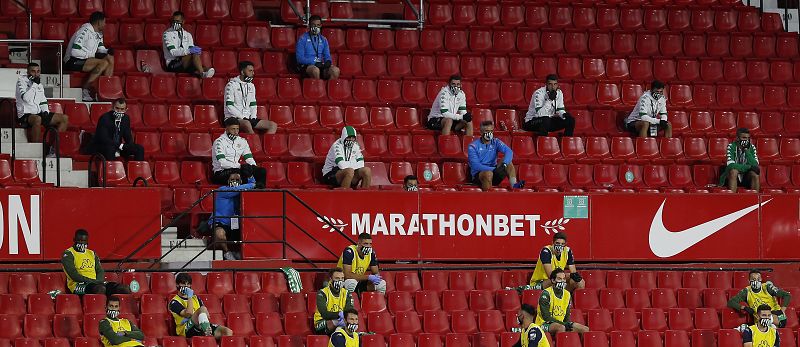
116,331
760,293
741,167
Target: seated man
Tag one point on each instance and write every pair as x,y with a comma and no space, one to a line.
449,110
410,183
87,53
546,112
556,256
532,334
85,274
344,164
650,114
356,261
313,53
741,167
763,332
180,52
226,203
228,149
32,109
191,316
113,136
347,335
332,301
240,102
759,294
554,306
483,160
116,331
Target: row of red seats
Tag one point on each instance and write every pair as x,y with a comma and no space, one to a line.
211,9
25,173
626,17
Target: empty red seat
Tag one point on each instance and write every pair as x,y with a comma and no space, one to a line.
680,319
654,319
435,322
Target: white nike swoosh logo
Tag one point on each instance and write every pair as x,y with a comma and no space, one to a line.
665,243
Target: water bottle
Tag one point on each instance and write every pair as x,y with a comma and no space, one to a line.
144,67
653,130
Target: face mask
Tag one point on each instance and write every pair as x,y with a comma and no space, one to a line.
765,322
234,183
353,327
558,248
315,30
118,115
232,136
756,285
744,143
366,250
80,247
488,136
657,95
561,285
349,143
412,188
177,26
247,79
336,286
551,94
455,89
183,290
113,314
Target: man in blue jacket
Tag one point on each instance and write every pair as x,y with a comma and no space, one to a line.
313,53
483,160
226,204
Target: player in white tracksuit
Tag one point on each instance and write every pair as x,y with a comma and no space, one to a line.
449,110
32,108
227,150
87,53
650,114
240,101
546,112
180,53
344,164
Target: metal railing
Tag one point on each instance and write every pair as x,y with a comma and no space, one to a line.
285,219
60,43
101,171
418,12
55,145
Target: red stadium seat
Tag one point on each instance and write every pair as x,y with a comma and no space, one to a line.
427,300
654,319
680,319
435,322
630,18
586,299
269,324
600,320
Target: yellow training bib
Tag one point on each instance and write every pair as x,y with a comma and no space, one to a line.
360,265
120,325
84,264
558,263
335,303
524,338
762,297
182,323
558,306
763,339
350,341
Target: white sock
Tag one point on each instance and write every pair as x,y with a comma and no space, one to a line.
512,180
202,318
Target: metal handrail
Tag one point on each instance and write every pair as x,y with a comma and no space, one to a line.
49,131
102,168
30,43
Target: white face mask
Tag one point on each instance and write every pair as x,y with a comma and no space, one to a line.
765,322
177,26
657,95
232,136
488,135
455,89
561,285
755,284
315,30
412,188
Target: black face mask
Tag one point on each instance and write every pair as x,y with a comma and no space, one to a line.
232,136
113,314
80,247
552,94
247,79
744,143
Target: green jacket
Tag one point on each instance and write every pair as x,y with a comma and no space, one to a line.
741,297
544,305
732,164
107,331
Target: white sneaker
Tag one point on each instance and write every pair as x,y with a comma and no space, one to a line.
86,95
209,73
229,256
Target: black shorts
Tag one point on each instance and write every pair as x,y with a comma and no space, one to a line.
330,177
74,64
498,175
631,127
226,227
435,123
177,66
195,331
47,117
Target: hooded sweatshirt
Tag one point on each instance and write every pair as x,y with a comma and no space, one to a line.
85,43
341,157
240,99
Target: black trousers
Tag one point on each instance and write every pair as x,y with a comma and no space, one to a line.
544,125
109,288
129,149
246,171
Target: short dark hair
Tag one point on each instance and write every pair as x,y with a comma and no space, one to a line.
313,18
560,236
551,77
81,232
454,78
486,123
334,270
119,101
178,13
183,278
739,132
763,307
30,65
231,121
555,273
244,64
753,271
364,236
656,84
410,177
350,311
96,17
112,298
528,308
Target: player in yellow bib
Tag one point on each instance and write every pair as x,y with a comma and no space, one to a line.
554,306
763,333
360,265
758,294
85,274
532,334
347,336
332,301
116,331
557,255
189,313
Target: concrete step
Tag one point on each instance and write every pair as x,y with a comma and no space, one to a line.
180,256
186,244
19,133
78,179
66,163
